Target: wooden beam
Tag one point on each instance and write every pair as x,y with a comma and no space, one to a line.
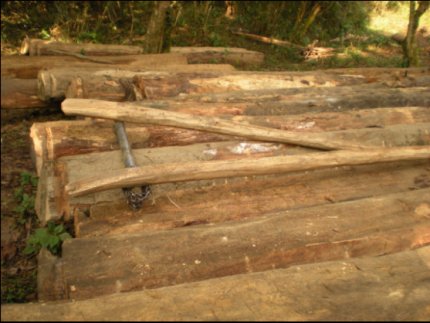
359,289
74,137
217,201
132,113
367,227
169,173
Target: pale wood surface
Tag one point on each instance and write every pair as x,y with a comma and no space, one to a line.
231,55
366,227
207,202
38,47
387,288
27,67
131,113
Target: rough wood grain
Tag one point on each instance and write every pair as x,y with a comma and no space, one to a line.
351,289
78,167
131,113
194,203
178,172
367,227
27,67
53,83
65,138
38,47
20,94
230,55
159,85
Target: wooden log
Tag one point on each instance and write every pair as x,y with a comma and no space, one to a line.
28,66
132,113
177,172
74,168
78,167
38,47
23,93
165,84
230,55
53,83
20,94
238,198
367,227
79,137
294,101
350,289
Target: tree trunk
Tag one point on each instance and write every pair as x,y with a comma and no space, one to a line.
155,36
270,102
20,94
410,51
231,55
366,227
54,83
152,85
39,47
27,67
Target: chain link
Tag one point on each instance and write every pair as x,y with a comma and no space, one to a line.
135,199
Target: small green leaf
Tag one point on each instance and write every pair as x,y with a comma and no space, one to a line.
65,236
29,249
58,229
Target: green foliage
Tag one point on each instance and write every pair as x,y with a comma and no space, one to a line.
17,289
50,238
25,195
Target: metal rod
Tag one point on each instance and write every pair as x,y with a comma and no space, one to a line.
135,197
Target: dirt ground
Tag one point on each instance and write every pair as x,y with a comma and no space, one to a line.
18,271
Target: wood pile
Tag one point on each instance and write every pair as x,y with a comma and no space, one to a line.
273,195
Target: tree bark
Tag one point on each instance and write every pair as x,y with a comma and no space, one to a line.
20,94
366,227
39,47
158,85
155,37
231,55
296,292
76,137
27,67
131,113
410,51
54,83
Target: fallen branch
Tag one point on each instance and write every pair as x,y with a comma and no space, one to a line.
177,172
268,40
136,114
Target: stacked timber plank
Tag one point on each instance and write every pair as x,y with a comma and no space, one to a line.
19,74
261,184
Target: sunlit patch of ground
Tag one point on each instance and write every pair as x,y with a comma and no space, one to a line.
396,20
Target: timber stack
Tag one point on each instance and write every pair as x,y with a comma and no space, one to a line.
273,195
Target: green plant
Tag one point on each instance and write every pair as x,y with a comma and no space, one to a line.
24,195
50,238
